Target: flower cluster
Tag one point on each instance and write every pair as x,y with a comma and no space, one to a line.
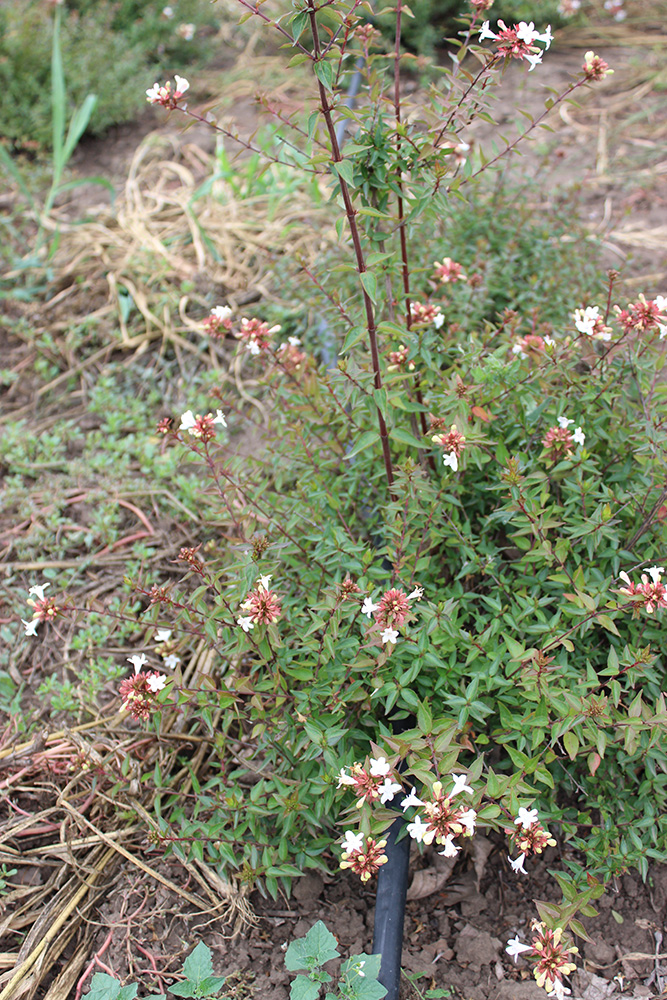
518,42
649,594
426,313
218,323
530,837
398,360
202,427
372,782
452,443
138,692
532,346
391,612
551,956
442,821
615,8
289,357
255,334
44,609
644,316
262,606
591,323
559,442
363,854
164,95
595,68
448,271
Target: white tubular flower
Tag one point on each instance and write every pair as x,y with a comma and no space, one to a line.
156,682
655,572
264,581
485,32
31,626
515,948
180,85
416,594
451,460
450,848
379,767
219,418
246,622
564,422
389,635
460,785
344,778
171,661
137,661
526,818
517,864
368,607
38,590
388,790
411,800
579,437
187,421
469,819
417,829
162,635
352,842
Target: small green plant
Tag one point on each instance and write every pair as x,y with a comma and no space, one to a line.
198,981
63,144
5,874
358,974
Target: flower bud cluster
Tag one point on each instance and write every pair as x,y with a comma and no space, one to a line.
390,614
518,42
530,837
650,594
262,606
44,609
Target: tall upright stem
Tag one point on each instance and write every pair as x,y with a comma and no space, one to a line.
351,214
405,269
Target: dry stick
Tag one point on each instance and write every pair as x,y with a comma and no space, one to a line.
533,125
351,214
50,933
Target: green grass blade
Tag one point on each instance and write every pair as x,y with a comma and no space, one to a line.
77,126
58,99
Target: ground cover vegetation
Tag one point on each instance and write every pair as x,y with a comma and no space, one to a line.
421,566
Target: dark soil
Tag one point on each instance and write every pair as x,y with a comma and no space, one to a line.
454,938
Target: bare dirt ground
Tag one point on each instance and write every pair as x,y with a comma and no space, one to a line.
610,152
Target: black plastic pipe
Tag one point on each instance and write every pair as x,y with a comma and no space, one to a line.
390,909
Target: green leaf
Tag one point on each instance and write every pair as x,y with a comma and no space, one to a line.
299,22
370,284
571,744
345,169
317,947
405,437
304,989
366,440
361,973
104,987
198,965
324,73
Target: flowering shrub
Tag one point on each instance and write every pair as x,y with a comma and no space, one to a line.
421,557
